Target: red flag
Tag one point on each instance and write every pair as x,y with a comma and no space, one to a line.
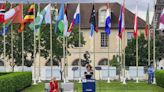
2,11
135,25
147,24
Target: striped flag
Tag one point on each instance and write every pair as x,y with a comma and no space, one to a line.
108,22
28,18
75,21
2,12
147,24
135,33
121,22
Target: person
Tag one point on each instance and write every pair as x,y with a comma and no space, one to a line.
149,71
89,73
54,85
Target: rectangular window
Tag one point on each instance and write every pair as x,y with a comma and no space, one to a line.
129,35
77,42
104,39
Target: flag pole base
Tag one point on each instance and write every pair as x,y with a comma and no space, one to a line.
137,80
79,80
65,80
154,81
39,80
124,80
34,82
108,80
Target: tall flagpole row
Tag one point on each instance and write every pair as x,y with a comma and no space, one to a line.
39,37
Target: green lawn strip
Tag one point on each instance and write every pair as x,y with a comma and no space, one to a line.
35,88
103,86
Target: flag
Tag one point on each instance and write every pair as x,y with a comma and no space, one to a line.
15,14
92,21
28,18
65,22
6,29
147,24
121,22
161,24
42,16
108,22
135,33
60,20
2,11
75,21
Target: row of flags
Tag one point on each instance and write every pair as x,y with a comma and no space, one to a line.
14,15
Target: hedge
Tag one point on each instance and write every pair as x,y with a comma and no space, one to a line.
4,73
159,75
15,82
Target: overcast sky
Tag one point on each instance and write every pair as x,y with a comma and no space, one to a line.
142,7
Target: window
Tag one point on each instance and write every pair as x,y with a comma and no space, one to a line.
103,62
76,62
1,63
102,17
129,35
104,39
55,63
77,42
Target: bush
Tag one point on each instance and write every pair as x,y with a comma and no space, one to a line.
15,82
159,75
4,73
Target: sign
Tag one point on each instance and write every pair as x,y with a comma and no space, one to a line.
88,85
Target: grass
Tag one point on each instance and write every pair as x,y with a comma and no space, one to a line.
103,86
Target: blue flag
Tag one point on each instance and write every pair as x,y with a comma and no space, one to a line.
108,23
60,16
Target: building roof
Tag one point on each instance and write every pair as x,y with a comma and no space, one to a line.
85,11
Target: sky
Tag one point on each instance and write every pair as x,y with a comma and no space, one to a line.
142,7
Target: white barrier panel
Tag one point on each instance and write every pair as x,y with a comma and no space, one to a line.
108,72
133,72
2,69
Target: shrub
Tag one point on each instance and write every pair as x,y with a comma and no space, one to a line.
159,75
15,82
4,73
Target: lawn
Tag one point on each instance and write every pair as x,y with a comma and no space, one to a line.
108,87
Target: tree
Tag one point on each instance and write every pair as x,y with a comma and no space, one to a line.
130,51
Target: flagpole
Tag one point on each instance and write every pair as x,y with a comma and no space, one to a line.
108,53
22,44
12,58
137,58
39,43
154,62
79,48
124,82
148,43
34,51
4,43
51,44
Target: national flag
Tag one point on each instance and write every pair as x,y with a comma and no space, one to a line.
121,22
147,24
60,20
108,22
2,11
42,16
65,22
135,33
15,14
92,21
161,24
75,21
5,30
28,18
